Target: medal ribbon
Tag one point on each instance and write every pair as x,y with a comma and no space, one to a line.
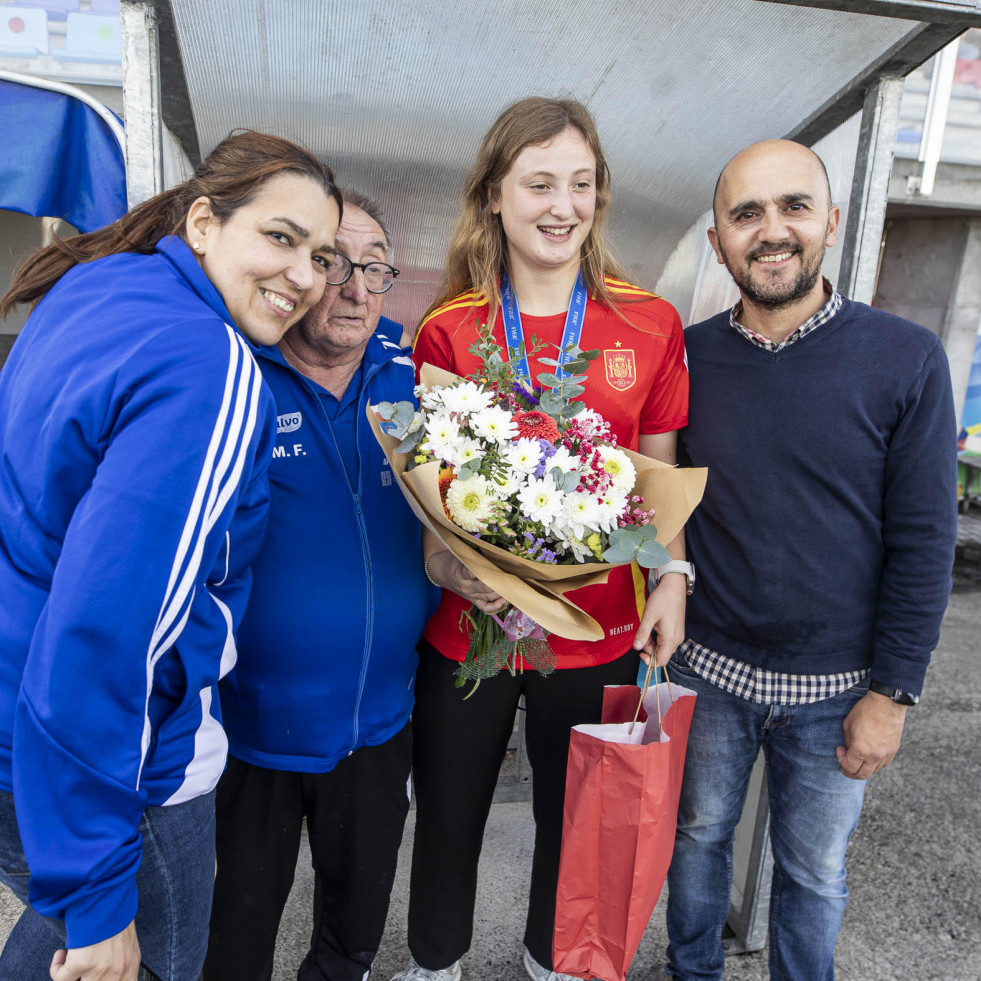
514,333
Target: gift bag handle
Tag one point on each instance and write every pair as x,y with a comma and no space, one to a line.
643,694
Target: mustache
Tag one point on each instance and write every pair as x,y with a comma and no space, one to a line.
769,248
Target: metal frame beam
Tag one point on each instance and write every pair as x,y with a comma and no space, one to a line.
867,206
931,11
175,100
141,100
921,43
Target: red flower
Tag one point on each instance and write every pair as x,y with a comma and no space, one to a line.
536,425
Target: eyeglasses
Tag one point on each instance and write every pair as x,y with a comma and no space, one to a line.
378,276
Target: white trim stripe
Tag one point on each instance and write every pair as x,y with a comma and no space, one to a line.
220,474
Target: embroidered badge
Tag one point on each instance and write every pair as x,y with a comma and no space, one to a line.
621,369
289,423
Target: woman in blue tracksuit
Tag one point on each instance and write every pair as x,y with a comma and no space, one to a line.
135,435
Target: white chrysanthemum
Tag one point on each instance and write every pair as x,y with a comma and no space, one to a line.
442,434
465,450
472,503
609,510
566,462
511,483
431,398
417,422
541,500
523,454
494,423
576,546
466,397
579,516
617,464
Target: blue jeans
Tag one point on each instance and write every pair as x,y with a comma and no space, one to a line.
814,809
174,882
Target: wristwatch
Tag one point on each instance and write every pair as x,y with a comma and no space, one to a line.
899,697
687,569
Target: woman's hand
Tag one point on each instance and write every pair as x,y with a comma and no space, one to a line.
115,959
662,627
446,570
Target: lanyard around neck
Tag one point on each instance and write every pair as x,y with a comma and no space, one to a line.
514,333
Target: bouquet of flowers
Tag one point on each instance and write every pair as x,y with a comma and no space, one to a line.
529,489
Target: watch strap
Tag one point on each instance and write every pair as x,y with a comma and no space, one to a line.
900,697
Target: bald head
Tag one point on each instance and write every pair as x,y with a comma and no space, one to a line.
777,156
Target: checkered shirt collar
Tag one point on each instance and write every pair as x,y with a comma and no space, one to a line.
823,315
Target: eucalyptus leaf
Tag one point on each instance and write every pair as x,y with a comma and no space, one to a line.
464,473
386,410
618,553
551,402
550,361
411,441
647,532
630,536
589,355
573,391
573,409
577,367
653,554
405,413
549,381
570,481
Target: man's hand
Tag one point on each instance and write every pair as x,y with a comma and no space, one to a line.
450,573
873,730
663,620
115,959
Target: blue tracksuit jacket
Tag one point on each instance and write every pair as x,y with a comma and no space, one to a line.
135,434
327,646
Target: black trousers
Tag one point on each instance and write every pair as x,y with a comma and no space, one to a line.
457,752
355,817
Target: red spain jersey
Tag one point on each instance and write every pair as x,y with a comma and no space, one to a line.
639,384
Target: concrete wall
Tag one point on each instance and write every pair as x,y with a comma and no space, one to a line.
931,274
919,268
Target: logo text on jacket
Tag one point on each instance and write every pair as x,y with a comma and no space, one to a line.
289,423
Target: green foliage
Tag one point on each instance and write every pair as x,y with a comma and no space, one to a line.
639,543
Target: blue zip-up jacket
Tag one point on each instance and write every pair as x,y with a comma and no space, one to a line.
326,649
135,434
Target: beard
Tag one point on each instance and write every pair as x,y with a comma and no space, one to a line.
776,294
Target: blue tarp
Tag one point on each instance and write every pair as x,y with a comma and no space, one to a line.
60,159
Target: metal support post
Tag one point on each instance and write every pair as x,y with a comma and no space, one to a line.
752,870
867,205
141,100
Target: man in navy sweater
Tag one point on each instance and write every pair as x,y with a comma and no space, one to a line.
317,706
824,547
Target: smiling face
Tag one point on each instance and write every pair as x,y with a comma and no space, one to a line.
268,259
338,327
547,201
774,221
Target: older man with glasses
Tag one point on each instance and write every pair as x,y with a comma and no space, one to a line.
317,706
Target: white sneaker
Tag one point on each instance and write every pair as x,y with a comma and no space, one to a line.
416,973
538,973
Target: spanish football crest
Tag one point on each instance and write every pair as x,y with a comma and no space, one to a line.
621,368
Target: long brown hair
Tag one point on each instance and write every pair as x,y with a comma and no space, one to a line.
229,178
477,252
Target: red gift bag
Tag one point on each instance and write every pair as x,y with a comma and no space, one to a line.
621,809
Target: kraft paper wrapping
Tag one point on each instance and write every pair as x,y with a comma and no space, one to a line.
536,588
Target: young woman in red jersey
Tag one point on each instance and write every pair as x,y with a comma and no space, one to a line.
528,253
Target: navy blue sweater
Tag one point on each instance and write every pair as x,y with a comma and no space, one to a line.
825,539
